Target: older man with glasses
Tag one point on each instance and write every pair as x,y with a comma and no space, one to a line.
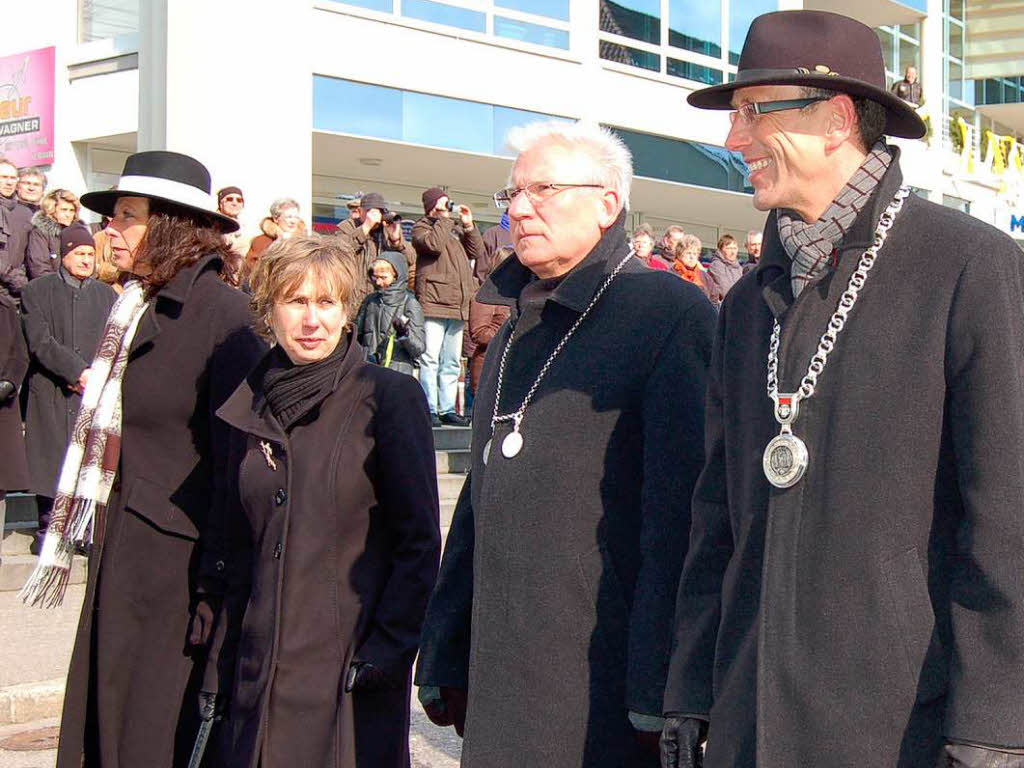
565,547
853,594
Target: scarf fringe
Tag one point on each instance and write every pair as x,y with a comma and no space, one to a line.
49,581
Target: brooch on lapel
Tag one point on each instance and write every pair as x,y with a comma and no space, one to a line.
268,454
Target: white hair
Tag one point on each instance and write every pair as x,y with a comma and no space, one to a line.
613,163
281,205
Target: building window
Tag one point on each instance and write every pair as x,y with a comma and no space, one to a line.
901,48
696,27
449,15
637,19
964,206
531,33
555,9
695,72
105,19
345,106
741,14
687,162
631,56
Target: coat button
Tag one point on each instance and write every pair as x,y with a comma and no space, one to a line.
220,565
280,496
277,551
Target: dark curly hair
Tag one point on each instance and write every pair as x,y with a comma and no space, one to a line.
176,238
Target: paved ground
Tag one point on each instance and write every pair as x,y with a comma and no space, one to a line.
431,747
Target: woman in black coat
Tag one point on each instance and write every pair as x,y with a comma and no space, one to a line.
336,546
13,364
58,210
64,314
135,675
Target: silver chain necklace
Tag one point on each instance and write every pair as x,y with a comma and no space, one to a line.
785,457
513,442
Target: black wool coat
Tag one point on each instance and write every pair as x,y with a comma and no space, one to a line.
333,548
64,320
131,696
877,606
12,252
42,253
556,594
14,474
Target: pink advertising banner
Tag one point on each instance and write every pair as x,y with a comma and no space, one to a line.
26,107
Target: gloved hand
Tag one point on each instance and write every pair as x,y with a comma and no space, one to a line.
401,324
7,390
450,710
681,740
364,676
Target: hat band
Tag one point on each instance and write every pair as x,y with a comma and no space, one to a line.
168,189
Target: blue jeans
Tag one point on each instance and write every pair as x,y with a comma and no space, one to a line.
441,362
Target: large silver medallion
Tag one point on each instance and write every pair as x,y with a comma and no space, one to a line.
785,460
487,452
512,444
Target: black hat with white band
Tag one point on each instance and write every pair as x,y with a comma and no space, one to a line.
167,176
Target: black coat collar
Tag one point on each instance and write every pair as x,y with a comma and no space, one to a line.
175,292
507,281
773,270
246,409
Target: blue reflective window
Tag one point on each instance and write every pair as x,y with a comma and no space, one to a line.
348,107
531,33
554,9
375,5
696,26
449,15
741,14
688,162
692,71
638,19
630,56
506,118
444,122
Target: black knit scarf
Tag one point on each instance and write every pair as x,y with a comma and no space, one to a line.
292,390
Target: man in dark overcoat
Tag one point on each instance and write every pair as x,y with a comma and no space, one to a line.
852,595
553,609
64,313
13,366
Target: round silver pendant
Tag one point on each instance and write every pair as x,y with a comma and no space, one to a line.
785,460
487,452
511,445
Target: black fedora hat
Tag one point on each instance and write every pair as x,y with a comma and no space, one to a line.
167,176
819,50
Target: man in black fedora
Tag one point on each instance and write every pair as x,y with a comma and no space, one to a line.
853,592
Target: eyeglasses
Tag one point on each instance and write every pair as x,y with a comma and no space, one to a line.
536,193
748,112
232,199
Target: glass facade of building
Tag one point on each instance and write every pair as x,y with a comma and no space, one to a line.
104,19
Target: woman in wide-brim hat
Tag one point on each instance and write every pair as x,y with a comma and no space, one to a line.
176,344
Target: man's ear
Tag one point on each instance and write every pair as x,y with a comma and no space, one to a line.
609,207
842,121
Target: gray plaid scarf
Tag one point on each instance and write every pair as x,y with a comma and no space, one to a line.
810,245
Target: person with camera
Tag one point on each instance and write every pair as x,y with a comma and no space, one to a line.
390,322
372,230
444,247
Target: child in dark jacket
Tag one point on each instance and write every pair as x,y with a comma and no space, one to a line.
390,321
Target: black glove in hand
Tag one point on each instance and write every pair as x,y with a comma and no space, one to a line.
7,390
450,711
400,324
681,740
365,677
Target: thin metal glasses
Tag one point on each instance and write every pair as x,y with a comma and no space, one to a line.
748,112
537,192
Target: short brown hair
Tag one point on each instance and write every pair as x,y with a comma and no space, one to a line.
725,240
285,266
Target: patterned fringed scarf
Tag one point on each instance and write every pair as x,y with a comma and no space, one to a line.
91,461
810,245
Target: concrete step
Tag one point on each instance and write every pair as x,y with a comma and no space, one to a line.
31,701
15,570
450,486
452,438
17,538
453,462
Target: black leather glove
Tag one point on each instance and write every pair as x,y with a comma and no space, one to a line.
450,711
7,390
401,324
364,676
681,740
